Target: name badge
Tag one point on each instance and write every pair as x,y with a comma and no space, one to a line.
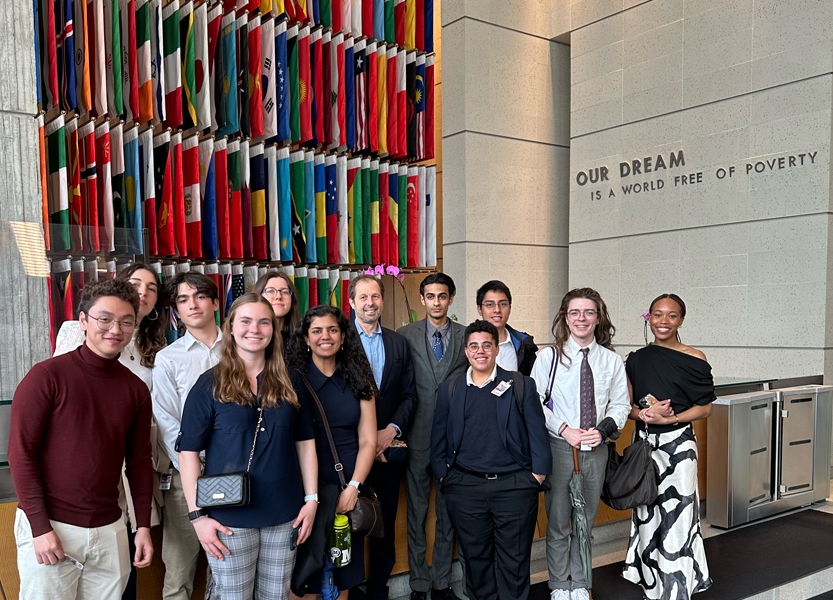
165,480
501,388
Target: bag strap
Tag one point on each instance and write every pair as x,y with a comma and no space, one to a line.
254,443
553,369
338,466
518,390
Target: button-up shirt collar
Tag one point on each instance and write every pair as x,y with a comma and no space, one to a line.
470,381
374,348
444,331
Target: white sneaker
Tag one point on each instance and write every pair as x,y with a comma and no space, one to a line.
560,595
579,594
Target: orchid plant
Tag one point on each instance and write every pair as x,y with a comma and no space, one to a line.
396,273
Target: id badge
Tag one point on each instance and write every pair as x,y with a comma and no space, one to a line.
501,388
75,563
165,480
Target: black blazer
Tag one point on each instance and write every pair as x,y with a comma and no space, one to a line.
397,392
523,435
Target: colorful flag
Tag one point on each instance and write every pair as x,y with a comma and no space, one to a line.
360,90
243,73
77,284
173,66
302,285
372,223
422,214
431,217
82,58
367,189
255,91
189,59
390,29
393,214
216,68
331,209
384,223
177,214
163,180
267,74
235,177
112,50
410,24
284,204
372,107
309,207
148,186
193,204
301,10
257,166
402,103
66,54
382,99
130,65
343,225
393,102
354,191
61,294
339,134
410,82
320,209
294,91
403,216
273,225
428,28
56,145
282,83
117,187
344,295
317,83
74,197
399,22
298,194
312,283
105,190
42,169
333,286
238,287
98,58
419,108
429,107
157,58
221,195
202,93
228,123
49,53
413,217
208,190
133,192
250,274
225,292
304,82
323,287
349,94
246,199
356,21
144,64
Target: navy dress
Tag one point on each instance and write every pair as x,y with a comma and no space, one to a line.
343,412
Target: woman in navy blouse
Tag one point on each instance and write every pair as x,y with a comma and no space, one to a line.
326,351
250,548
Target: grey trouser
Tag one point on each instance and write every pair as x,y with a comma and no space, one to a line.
563,559
180,546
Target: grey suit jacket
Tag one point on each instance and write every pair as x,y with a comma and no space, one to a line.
429,374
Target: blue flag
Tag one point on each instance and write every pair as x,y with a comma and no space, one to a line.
284,204
228,43
66,61
37,47
133,192
379,20
282,84
429,26
331,177
309,207
349,96
210,246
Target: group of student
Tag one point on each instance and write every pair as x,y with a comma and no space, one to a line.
110,436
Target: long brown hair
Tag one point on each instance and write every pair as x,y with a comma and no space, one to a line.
292,318
230,381
150,337
604,329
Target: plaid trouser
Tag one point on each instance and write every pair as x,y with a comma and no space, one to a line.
259,566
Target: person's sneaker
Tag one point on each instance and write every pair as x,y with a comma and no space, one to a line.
579,594
446,594
418,596
560,595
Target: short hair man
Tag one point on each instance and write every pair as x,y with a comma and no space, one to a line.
75,420
194,297
393,370
490,453
437,349
517,349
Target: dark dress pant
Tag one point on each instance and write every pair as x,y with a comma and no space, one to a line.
385,479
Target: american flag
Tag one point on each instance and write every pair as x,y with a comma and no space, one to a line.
360,71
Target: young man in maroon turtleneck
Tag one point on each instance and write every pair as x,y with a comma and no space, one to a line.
75,419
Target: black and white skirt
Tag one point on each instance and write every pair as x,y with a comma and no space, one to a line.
665,553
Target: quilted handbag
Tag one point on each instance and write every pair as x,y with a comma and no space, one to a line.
228,489
366,517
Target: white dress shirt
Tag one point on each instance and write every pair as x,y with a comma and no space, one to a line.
609,381
177,369
507,356
470,381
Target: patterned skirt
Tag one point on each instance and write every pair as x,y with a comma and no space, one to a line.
665,554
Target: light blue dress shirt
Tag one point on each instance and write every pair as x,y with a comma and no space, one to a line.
374,348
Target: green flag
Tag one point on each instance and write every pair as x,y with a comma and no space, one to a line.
189,78
302,285
56,184
371,194
294,97
358,221
298,196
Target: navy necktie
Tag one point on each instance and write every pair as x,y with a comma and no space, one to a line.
438,345
587,393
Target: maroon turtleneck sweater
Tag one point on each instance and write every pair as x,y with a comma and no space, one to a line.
75,419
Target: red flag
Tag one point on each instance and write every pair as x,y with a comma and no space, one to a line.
384,235
215,21
345,295
327,88
76,201
235,198
131,62
402,104
429,106
255,70
300,9
336,10
360,94
367,22
313,287
393,104
420,25
372,108
304,95
318,85
413,216
338,76
191,186
399,22
105,188
163,179
178,195
222,196
89,178
49,54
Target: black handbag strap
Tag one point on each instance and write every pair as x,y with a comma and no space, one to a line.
553,369
254,443
338,466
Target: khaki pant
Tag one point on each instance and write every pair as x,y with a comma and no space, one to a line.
180,546
103,551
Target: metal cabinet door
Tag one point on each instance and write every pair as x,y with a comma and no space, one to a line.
798,429
760,451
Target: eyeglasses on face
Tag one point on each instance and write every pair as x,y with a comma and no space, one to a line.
270,292
106,323
588,314
474,347
490,304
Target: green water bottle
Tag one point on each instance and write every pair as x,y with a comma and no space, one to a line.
340,542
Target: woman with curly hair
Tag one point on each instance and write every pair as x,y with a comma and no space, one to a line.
278,289
326,352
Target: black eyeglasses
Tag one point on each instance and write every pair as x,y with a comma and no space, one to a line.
106,323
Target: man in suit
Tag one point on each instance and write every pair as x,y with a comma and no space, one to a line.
437,349
490,452
390,360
